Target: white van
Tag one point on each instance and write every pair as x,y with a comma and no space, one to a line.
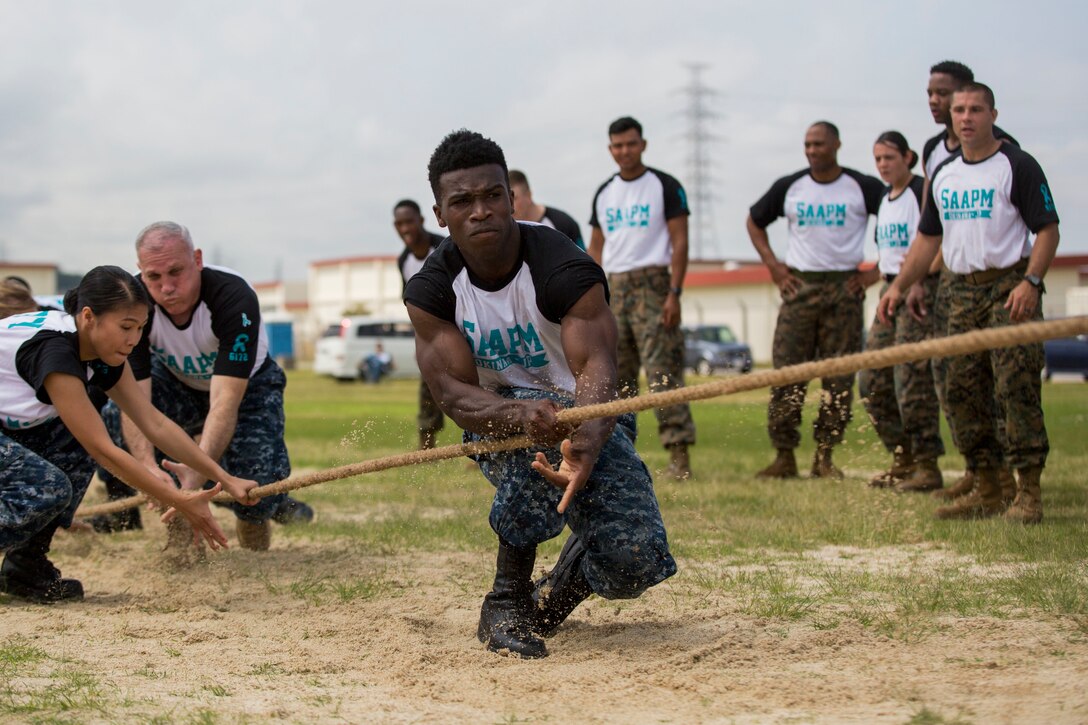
345,345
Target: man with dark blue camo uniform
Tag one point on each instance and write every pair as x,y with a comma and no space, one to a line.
512,325
828,208
982,205
204,361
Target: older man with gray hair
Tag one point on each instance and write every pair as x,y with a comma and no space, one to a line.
203,359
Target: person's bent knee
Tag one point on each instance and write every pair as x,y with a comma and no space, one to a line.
527,531
627,572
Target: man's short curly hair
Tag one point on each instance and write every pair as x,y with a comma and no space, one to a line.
958,71
463,149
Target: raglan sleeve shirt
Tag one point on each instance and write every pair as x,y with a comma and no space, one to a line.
51,352
772,204
1030,193
236,322
676,200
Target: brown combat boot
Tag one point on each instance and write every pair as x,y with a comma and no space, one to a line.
902,467
926,477
680,464
982,503
960,488
1008,485
784,466
1027,508
822,467
254,536
426,440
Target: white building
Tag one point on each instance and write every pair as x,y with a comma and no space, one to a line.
739,295
747,300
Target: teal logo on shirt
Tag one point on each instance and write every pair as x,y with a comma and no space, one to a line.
245,320
967,204
1048,200
636,215
498,349
821,215
892,236
189,366
12,424
36,321
238,352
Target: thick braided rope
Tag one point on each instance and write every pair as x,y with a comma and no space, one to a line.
966,343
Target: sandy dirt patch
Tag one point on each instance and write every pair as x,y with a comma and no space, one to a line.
329,632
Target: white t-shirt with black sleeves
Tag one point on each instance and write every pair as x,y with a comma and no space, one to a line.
409,264
896,224
224,335
33,345
512,328
986,209
634,215
827,220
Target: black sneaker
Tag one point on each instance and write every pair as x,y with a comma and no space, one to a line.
291,511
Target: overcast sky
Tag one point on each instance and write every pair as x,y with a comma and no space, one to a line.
283,132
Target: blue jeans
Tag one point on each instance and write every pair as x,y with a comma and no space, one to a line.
616,515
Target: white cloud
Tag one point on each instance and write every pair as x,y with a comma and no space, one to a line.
283,132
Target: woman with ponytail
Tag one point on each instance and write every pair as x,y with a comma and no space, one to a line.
902,401
51,436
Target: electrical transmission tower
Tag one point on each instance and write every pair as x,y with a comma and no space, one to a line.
700,180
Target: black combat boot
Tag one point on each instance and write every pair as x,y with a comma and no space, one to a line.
292,511
28,574
506,618
557,594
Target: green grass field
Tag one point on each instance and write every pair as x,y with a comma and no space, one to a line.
725,515
797,601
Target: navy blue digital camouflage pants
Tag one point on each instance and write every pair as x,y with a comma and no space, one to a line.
256,451
616,515
44,473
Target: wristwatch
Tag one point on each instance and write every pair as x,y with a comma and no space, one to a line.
1034,281
676,290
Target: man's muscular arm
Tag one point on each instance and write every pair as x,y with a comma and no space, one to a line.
139,447
225,397
596,245
915,266
589,342
678,269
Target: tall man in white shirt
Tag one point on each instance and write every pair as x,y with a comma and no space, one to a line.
828,209
418,245
945,78
982,205
640,238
